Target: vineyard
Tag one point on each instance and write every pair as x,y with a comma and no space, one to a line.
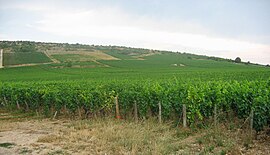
145,83
111,99
97,99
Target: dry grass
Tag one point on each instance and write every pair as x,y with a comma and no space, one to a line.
120,137
111,136
84,55
149,137
48,139
6,126
142,56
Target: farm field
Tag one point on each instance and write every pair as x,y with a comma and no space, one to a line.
25,58
85,82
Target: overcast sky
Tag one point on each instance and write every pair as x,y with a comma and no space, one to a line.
224,28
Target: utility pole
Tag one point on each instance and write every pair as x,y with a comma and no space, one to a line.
1,58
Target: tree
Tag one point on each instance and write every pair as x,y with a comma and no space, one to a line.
68,64
25,47
247,63
237,60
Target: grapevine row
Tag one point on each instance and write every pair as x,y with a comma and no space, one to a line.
93,98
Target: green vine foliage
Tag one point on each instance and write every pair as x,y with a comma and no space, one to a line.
199,97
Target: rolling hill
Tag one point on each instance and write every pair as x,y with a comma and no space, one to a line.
58,61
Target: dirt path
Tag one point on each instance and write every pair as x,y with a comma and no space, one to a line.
142,56
32,64
25,136
101,64
53,59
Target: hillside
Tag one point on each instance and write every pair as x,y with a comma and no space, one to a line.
55,61
22,53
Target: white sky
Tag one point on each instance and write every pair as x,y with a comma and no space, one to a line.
200,28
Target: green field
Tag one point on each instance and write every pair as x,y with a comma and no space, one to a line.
137,75
127,70
158,66
155,67
18,58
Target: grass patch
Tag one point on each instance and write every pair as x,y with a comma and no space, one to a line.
218,141
7,145
17,116
48,139
124,137
25,151
57,152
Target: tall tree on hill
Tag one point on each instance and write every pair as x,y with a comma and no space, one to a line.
237,60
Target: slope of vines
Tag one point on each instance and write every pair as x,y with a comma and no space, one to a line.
95,98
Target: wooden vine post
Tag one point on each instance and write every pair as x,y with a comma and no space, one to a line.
65,109
37,113
27,106
159,113
5,99
18,105
136,112
215,116
184,116
251,121
55,114
79,112
117,108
